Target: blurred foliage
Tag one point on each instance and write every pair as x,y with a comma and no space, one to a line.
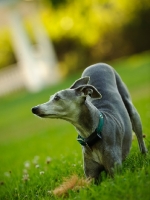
56,3
6,53
98,30
89,31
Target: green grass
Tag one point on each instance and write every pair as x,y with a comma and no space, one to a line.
26,141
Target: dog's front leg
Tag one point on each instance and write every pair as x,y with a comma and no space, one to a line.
92,169
112,161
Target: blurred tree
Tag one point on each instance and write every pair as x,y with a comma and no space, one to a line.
56,3
7,56
88,31
137,31
98,30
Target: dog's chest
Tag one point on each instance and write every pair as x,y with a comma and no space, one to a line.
97,157
94,154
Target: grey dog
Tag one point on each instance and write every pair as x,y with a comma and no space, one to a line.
99,106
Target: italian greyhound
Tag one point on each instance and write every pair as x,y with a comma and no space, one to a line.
99,106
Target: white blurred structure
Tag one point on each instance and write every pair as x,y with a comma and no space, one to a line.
37,64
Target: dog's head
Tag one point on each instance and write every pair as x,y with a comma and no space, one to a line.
66,104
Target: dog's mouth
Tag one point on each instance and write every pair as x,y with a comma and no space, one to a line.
39,113
46,115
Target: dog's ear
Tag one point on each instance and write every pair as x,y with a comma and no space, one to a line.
79,82
85,90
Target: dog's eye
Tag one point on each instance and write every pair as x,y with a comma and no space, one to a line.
56,98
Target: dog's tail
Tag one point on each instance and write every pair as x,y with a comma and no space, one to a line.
133,113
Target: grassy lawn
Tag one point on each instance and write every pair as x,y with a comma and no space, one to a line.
36,154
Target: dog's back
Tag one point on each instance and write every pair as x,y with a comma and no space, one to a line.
116,101
102,76
116,117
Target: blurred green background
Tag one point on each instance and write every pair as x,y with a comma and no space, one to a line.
81,33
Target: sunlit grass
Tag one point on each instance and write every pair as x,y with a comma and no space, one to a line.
28,142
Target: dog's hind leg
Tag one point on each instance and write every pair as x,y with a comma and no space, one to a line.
134,116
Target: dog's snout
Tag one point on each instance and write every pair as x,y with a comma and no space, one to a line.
35,110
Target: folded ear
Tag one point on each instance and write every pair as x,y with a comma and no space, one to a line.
79,82
85,90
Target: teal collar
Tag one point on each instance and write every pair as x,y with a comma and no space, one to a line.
95,136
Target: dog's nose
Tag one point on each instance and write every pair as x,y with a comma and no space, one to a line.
35,110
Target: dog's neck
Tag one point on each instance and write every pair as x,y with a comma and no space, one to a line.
88,119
